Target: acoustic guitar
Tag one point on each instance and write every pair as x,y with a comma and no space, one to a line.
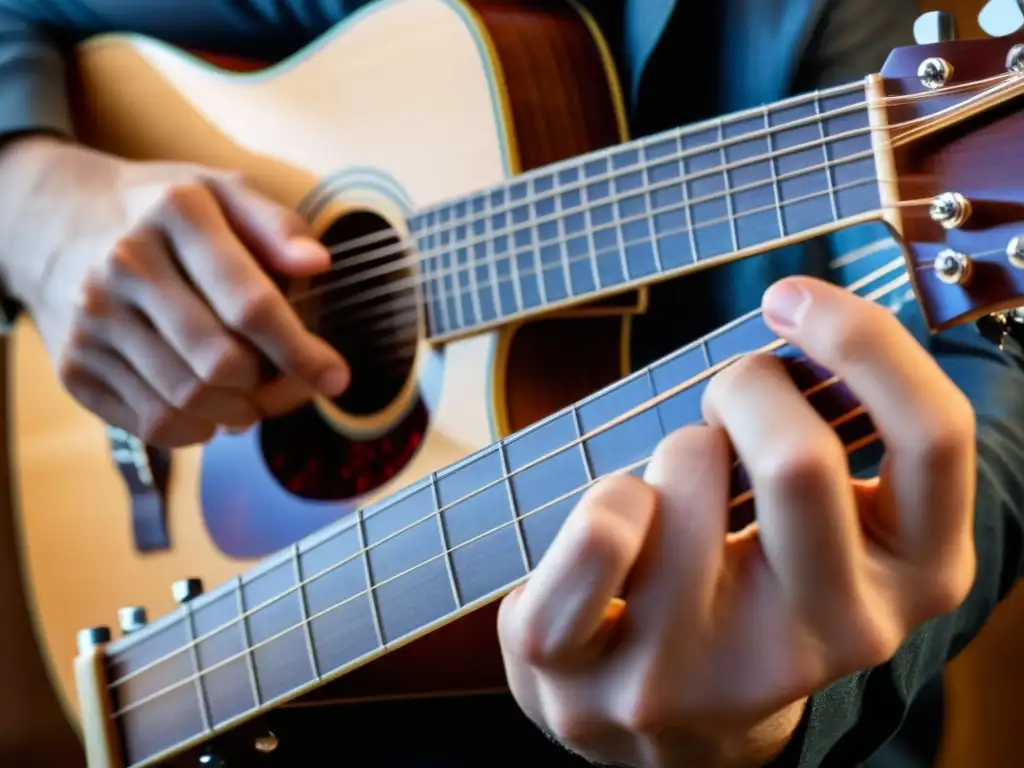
494,231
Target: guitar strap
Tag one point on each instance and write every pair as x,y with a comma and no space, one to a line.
145,470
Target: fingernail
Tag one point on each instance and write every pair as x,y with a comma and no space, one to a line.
333,382
786,303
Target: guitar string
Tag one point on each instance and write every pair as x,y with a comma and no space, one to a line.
591,229
517,520
403,345
672,135
405,244
419,279
406,285
403,286
521,469
877,274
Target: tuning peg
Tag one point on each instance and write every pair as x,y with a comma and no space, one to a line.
1000,18
91,637
131,618
935,27
186,589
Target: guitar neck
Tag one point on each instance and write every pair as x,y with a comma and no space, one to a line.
446,545
648,210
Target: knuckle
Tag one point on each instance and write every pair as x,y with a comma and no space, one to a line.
947,590
251,311
856,331
521,631
157,426
807,465
288,221
184,201
745,369
70,371
128,259
598,538
93,299
700,449
567,724
188,394
530,644
947,437
644,714
229,364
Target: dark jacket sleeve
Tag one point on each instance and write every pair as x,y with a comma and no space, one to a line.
851,720
32,80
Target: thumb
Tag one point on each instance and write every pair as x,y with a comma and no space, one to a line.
277,236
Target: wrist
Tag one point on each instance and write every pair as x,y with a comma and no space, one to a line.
40,182
749,747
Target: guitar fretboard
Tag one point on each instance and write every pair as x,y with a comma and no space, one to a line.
417,560
652,208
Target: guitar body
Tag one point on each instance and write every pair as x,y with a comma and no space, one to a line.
406,104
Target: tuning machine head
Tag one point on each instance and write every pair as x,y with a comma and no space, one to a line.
186,589
1000,18
131,618
934,27
92,637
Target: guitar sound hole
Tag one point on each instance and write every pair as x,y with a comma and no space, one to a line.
365,307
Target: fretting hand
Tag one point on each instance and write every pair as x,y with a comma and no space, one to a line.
723,639
152,295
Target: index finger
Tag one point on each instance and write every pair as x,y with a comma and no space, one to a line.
245,297
926,422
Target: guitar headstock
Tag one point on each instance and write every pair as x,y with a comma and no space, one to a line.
955,125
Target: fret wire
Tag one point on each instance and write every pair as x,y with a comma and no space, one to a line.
442,291
492,257
588,220
517,289
513,506
444,540
728,194
706,351
771,346
617,226
535,237
579,441
680,133
859,106
488,241
428,299
193,647
649,375
775,177
314,664
874,295
254,682
687,206
456,272
824,154
371,594
563,247
591,256
585,207
473,285
651,214
678,230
